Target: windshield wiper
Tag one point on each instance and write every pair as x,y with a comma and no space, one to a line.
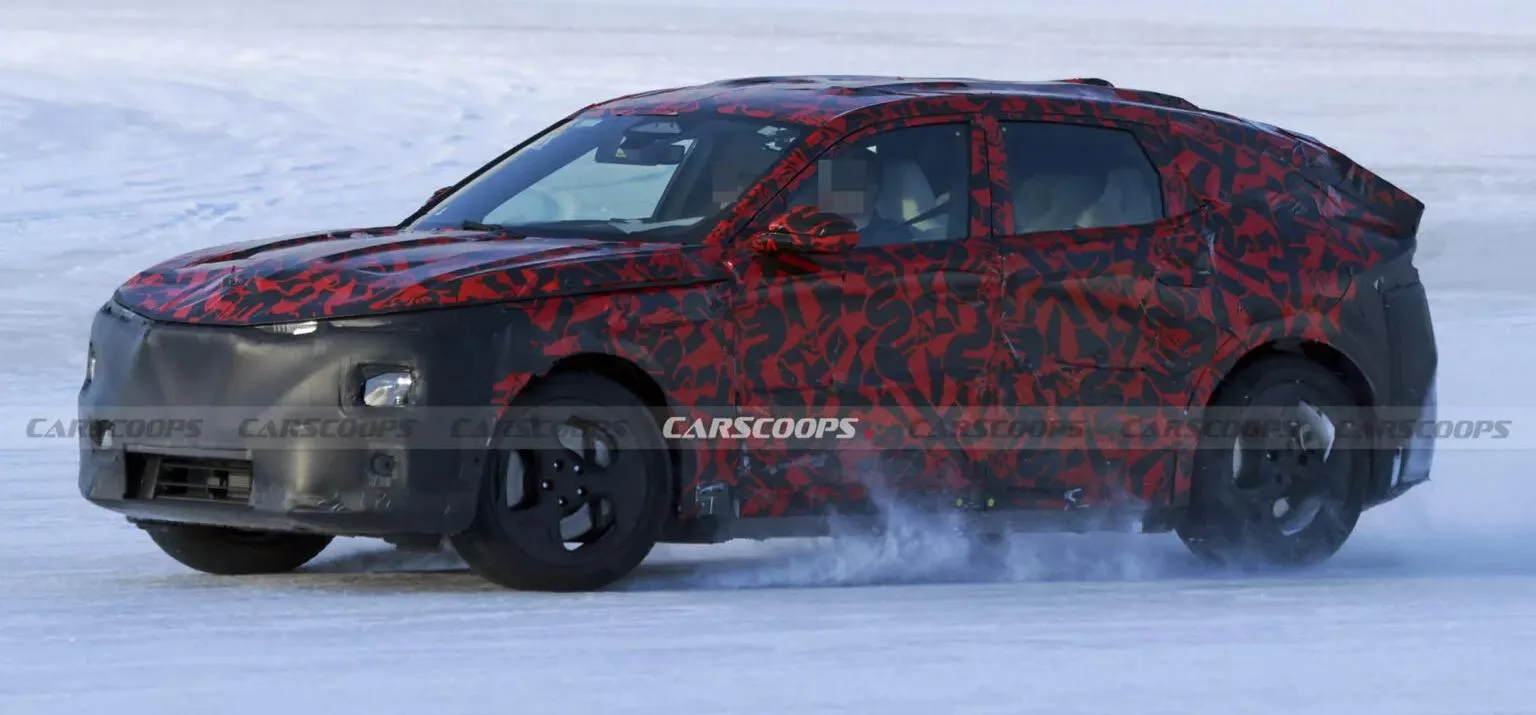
573,223
600,229
502,229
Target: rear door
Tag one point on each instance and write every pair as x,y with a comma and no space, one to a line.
1105,309
899,331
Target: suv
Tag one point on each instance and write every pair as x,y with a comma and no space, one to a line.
752,307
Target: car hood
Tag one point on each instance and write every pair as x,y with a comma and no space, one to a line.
360,272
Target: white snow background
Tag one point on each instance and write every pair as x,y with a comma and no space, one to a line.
134,130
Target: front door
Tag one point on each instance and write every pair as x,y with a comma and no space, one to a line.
898,332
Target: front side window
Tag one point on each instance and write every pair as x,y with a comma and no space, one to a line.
1071,176
652,177
905,185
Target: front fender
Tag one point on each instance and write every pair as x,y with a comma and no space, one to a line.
678,338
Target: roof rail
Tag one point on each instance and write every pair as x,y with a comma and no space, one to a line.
1159,99
1142,96
1095,81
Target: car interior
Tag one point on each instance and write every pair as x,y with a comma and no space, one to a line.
1066,177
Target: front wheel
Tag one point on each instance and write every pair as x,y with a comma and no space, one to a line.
235,552
1274,491
583,497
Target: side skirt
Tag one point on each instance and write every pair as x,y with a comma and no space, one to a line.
718,522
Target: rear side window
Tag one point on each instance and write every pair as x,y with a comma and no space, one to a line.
1071,176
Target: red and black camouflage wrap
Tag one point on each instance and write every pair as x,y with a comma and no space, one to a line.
1269,237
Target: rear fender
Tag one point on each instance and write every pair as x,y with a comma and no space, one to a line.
1273,336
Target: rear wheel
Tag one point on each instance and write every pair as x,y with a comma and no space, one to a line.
235,552
1270,489
581,499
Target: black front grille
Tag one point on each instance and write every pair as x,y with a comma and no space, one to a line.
158,476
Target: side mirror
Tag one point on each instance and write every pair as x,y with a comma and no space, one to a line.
805,229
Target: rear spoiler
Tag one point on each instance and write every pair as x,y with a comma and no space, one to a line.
1330,166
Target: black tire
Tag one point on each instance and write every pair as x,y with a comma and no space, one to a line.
1246,489
627,498
235,552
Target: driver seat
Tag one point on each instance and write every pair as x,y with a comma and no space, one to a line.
906,194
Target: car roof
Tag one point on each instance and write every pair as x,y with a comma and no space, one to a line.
815,99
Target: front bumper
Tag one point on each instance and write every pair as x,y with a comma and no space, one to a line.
249,427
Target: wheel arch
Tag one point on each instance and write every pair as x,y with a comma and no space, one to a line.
636,379
1330,356
1334,355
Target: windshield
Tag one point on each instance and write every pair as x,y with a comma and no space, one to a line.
654,177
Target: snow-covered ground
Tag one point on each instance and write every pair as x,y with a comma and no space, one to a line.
130,131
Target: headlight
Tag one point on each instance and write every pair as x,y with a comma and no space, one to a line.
393,388
90,363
